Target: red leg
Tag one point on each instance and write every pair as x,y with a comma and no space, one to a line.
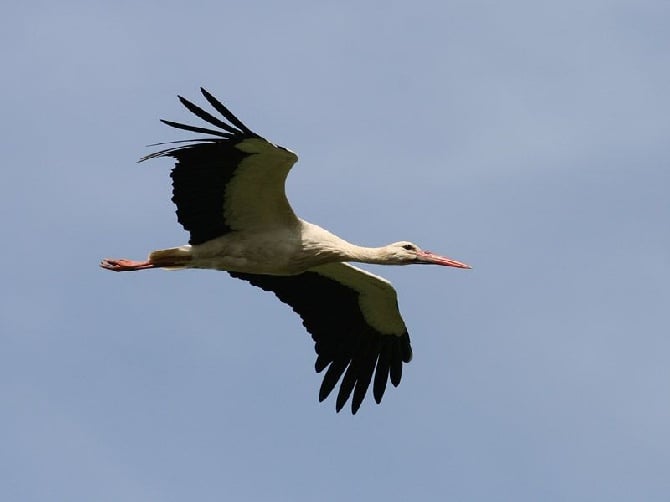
122,264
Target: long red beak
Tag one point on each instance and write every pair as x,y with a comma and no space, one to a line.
435,259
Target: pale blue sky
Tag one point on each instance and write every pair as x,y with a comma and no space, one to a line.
529,139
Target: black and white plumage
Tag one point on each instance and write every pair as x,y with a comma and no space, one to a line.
229,192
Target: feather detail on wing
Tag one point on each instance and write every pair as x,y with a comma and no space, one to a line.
234,181
353,318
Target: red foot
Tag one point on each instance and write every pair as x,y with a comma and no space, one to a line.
122,265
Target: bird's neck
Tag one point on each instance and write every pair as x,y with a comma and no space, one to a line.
333,248
362,254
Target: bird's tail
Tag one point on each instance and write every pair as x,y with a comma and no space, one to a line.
171,259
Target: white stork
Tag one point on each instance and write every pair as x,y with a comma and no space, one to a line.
229,193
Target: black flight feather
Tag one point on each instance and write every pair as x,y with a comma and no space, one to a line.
226,113
179,125
196,110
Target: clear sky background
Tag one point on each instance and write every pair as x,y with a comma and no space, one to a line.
529,139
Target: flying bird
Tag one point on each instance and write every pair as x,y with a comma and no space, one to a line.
229,191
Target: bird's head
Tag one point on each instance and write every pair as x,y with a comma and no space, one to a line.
408,253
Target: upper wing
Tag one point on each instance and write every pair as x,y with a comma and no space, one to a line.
354,320
232,181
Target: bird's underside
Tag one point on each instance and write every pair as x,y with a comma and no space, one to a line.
229,191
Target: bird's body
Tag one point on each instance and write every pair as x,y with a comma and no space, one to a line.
282,251
229,192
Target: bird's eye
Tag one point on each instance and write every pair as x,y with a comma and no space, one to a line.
408,247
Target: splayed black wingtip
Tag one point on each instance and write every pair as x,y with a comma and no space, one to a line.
185,127
382,373
168,151
346,387
227,114
207,117
361,388
395,370
332,376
